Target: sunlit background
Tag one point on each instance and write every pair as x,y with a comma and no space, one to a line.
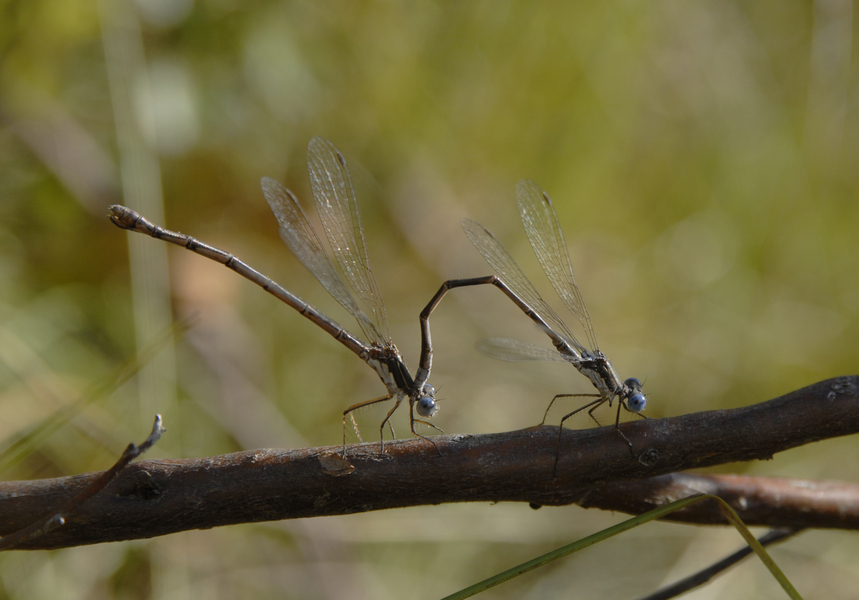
702,157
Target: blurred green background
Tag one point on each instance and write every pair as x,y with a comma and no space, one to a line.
702,157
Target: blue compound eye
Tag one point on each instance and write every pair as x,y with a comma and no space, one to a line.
636,402
633,383
426,406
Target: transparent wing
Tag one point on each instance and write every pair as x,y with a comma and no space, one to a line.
510,272
514,350
338,209
299,236
547,240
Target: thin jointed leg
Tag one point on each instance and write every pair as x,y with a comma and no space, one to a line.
355,407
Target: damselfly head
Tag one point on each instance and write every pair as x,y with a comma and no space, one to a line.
427,407
636,400
636,403
633,384
426,404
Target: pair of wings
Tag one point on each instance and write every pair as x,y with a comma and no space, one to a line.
337,206
547,240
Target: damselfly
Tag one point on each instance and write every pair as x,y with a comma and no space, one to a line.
544,232
334,195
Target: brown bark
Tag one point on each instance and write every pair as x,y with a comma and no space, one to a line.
157,497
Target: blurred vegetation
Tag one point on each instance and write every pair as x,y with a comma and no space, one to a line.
703,161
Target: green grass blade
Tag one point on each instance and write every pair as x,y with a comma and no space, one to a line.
652,515
755,545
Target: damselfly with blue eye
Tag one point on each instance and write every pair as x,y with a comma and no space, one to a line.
544,232
334,195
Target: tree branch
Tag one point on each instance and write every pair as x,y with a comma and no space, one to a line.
157,497
770,501
57,518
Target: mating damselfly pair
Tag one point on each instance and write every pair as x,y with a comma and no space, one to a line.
334,195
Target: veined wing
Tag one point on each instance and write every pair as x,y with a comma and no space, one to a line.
544,232
510,272
299,236
338,209
515,350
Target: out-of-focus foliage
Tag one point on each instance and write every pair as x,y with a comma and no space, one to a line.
703,161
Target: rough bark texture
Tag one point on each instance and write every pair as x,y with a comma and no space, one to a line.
596,468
